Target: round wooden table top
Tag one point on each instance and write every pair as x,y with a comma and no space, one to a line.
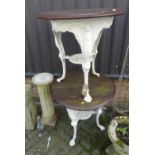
68,92
79,14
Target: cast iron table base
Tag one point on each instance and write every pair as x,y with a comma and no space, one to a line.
66,93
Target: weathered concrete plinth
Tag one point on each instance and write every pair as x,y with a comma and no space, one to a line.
42,81
30,109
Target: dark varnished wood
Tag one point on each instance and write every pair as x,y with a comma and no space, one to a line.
68,92
79,14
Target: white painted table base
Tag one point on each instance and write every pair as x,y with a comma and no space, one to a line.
76,115
88,33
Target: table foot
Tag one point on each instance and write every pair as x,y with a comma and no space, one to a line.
60,79
99,112
72,142
88,98
63,70
101,127
97,74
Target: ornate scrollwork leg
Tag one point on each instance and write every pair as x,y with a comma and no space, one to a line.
85,90
95,51
93,67
74,125
99,112
58,41
74,122
63,70
75,116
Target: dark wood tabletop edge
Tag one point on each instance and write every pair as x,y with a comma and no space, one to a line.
71,18
45,16
109,99
85,108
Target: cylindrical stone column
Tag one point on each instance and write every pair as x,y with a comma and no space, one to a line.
43,81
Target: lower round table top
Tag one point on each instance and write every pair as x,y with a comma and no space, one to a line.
68,91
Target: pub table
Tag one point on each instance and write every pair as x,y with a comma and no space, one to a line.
68,94
87,25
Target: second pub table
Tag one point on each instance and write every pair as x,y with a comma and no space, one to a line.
67,93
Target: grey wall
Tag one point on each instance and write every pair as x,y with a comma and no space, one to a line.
41,53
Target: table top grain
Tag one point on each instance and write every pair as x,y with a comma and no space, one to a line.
79,14
68,91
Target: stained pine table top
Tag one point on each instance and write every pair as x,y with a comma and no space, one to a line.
68,91
79,14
